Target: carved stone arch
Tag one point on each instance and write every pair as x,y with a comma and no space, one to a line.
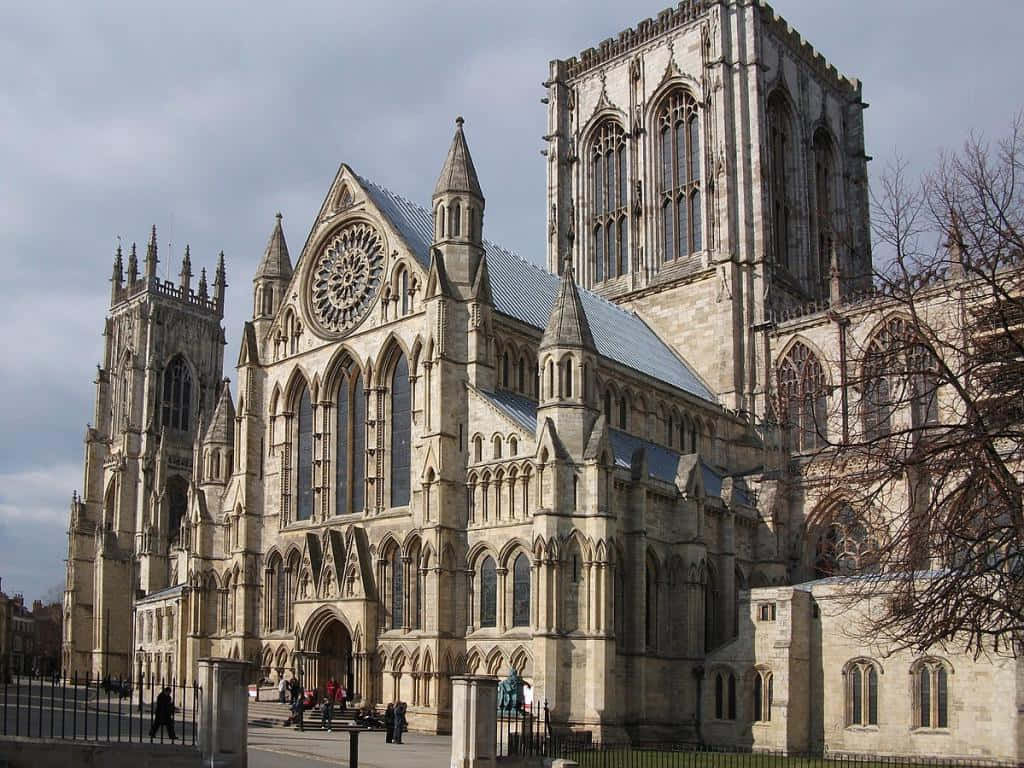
448,559
414,660
281,656
447,666
296,382
675,572
576,538
522,661
416,355
510,550
428,661
426,555
388,543
412,539
539,547
461,664
391,349
477,553
344,363
813,348
494,661
601,554
601,115
680,81
398,659
275,402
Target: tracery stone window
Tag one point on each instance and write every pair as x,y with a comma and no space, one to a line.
780,179
931,694
176,399
803,399
304,457
861,693
346,277
846,546
521,591
397,589
824,179
277,594
177,497
401,431
725,696
762,696
679,182
488,593
899,377
609,178
350,446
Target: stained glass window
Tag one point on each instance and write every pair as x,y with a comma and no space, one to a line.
488,593
304,465
401,426
397,590
177,395
341,452
609,177
521,591
680,176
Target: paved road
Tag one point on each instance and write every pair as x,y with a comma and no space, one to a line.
271,744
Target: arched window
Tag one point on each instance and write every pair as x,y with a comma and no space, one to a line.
899,375
343,441
177,498
712,617
608,219
931,694
488,593
403,288
732,697
824,175
846,545
780,179
861,693
397,589
608,406
622,412
521,591
521,376
719,696
279,591
679,183
651,604
478,448
566,377
456,220
803,398
496,447
505,370
304,463
762,696
176,400
401,427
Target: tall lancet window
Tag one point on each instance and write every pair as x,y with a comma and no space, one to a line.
679,185
780,179
304,464
609,180
401,428
342,455
824,178
358,455
177,395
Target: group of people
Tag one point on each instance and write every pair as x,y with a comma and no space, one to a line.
293,693
395,722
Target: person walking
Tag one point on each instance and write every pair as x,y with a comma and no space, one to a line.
399,721
282,689
327,706
163,715
298,708
341,697
389,723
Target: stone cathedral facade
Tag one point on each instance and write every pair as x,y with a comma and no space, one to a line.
439,459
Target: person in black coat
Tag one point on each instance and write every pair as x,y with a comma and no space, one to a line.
399,721
389,723
163,714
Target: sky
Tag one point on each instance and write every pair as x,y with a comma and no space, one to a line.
206,118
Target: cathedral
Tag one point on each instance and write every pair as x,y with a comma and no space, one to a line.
437,458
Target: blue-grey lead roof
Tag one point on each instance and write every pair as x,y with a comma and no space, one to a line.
522,410
526,292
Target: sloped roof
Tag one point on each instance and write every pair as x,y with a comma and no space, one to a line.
526,293
276,263
567,325
458,173
221,429
522,410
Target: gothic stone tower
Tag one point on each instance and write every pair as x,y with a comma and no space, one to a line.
162,365
709,166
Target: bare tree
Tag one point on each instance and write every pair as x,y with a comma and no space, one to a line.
932,464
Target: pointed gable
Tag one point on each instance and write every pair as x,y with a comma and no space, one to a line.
567,324
221,429
276,263
458,174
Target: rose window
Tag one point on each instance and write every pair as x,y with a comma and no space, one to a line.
346,277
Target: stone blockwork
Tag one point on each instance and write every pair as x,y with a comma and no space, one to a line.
441,460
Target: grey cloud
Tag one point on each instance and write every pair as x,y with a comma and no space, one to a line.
206,118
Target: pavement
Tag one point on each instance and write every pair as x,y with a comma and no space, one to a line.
272,744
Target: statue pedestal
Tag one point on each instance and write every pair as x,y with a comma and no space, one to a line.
474,721
224,717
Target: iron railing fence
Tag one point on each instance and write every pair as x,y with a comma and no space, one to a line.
524,732
101,709
653,755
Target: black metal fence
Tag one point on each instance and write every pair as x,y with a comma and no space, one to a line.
524,732
93,708
602,755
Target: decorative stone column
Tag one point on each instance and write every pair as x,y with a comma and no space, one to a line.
224,715
474,721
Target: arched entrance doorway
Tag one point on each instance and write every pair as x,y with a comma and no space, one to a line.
334,656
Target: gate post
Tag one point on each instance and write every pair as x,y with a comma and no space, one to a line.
474,721
224,713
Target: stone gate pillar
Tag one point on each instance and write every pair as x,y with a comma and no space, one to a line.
224,713
474,721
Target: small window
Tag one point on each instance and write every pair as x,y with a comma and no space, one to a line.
862,693
762,696
766,612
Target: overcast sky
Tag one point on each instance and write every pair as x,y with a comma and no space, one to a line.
206,120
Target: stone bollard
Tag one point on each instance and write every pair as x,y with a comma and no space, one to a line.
224,717
474,721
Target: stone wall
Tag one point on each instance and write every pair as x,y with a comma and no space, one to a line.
35,753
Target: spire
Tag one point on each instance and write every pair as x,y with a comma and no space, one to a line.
458,174
568,325
220,282
222,425
185,276
117,277
203,292
276,264
151,258
133,266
